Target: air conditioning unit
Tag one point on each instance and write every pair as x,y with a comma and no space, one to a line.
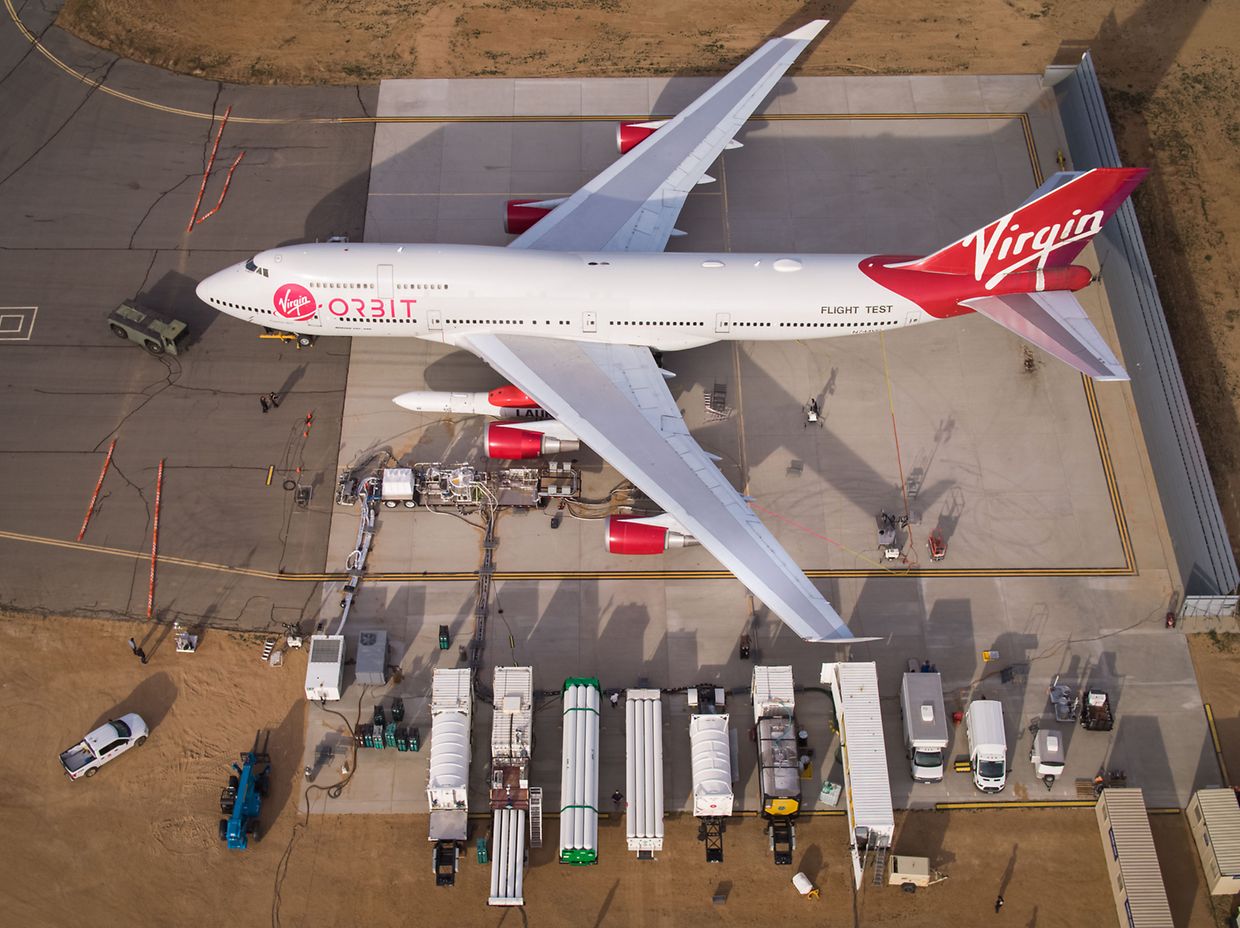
371,666
325,667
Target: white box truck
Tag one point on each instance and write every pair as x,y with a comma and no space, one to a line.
925,725
987,744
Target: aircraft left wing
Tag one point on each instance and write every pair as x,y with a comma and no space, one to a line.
633,205
614,398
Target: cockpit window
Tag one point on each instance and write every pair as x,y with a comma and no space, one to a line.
250,265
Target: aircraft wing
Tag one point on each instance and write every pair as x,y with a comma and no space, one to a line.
615,399
633,205
1056,322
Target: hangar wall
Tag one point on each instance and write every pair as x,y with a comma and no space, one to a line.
1203,551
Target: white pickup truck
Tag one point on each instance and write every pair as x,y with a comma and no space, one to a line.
105,743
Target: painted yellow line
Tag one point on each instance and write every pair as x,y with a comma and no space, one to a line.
543,575
140,555
1016,804
271,469
1218,745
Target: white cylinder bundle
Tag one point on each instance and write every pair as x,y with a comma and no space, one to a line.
508,861
579,775
644,769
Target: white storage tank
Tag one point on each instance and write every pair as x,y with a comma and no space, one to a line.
579,780
711,749
644,771
447,786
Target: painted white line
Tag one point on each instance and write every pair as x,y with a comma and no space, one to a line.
17,323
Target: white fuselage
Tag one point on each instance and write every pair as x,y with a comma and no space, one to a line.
666,301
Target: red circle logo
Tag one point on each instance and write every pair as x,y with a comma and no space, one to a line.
293,301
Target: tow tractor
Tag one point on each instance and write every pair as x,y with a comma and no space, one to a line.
157,335
242,799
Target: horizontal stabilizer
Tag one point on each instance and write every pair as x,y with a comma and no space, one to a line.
1056,322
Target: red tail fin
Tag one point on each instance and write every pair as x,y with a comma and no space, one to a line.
1048,231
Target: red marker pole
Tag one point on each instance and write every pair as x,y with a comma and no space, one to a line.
159,488
207,173
98,486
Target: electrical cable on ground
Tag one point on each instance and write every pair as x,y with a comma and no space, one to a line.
333,792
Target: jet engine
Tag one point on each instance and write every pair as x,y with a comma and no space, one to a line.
533,439
631,134
645,535
520,215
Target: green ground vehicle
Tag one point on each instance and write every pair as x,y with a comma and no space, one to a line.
158,336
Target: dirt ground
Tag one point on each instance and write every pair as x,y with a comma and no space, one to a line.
138,844
1169,68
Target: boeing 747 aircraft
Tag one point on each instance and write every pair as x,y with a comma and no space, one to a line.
570,311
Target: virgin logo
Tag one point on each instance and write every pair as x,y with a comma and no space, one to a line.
293,301
1008,248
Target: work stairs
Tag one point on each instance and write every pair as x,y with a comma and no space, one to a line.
880,863
535,816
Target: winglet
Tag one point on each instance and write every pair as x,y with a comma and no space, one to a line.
808,31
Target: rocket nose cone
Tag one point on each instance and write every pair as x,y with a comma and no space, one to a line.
410,401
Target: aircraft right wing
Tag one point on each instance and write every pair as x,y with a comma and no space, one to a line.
1055,321
614,398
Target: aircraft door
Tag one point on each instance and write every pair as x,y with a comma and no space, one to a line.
383,282
723,323
912,318
434,323
589,322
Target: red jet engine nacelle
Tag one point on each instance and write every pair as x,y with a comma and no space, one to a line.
639,536
631,134
511,443
519,218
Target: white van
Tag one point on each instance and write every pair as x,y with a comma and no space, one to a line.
987,744
925,725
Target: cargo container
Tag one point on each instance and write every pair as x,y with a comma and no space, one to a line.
867,786
1132,861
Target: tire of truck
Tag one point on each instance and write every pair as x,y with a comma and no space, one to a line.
118,331
305,341
233,782
223,829
92,771
141,741
153,347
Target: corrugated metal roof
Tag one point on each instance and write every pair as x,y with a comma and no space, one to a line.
855,689
1222,820
514,699
1129,824
450,691
771,689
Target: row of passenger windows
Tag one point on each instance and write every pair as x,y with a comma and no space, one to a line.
336,285
681,324
252,309
833,325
